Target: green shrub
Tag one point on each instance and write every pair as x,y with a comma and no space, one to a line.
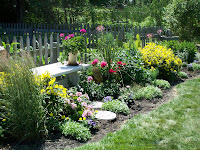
24,114
196,67
184,50
116,106
163,84
182,74
76,130
197,56
148,92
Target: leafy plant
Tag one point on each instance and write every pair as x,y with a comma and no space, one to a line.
76,130
148,92
184,50
24,113
163,84
182,74
116,106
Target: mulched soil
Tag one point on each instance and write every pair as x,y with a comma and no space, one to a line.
57,141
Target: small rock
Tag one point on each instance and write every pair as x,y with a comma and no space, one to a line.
105,115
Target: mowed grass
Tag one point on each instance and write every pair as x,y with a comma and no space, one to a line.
175,125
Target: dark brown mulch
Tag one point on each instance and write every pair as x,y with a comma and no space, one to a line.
140,107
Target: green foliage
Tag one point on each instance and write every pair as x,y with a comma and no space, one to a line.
148,92
182,17
197,56
138,42
23,111
148,22
75,130
182,74
116,106
163,84
196,67
184,50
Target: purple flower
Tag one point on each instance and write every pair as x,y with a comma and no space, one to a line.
195,61
91,122
189,65
107,98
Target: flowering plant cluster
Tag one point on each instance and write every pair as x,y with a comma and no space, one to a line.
160,57
105,72
72,44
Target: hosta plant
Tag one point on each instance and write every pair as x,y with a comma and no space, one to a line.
163,84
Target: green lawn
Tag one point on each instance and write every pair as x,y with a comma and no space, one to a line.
175,125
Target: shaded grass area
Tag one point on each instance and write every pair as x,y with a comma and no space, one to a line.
175,125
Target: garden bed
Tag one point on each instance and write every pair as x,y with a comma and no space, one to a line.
58,141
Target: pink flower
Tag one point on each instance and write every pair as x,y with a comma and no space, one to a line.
67,101
90,107
112,71
71,36
79,99
159,31
83,31
149,35
119,63
84,104
89,79
103,64
124,64
86,96
71,94
66,38
78,93
62,35
100,28
73,105
87,113
95,62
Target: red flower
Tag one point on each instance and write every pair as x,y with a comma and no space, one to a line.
124,64
112,71
103,64
119,63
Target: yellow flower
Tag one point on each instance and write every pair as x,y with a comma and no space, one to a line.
63,117
67,118
52,81
51,114
84,118
80,119
96,111
42,91
56,86
4,120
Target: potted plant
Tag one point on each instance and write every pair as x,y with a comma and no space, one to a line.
71,46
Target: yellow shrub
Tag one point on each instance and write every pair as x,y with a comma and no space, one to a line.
160,57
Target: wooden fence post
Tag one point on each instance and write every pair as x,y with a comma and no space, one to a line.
34,49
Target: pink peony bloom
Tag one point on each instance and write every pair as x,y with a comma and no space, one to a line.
78,93
89,79
84,104
124,64
73,105
103,64
112,71
71,36
90,106
66,38
119,63
79,99
62,35
83,31
95,62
